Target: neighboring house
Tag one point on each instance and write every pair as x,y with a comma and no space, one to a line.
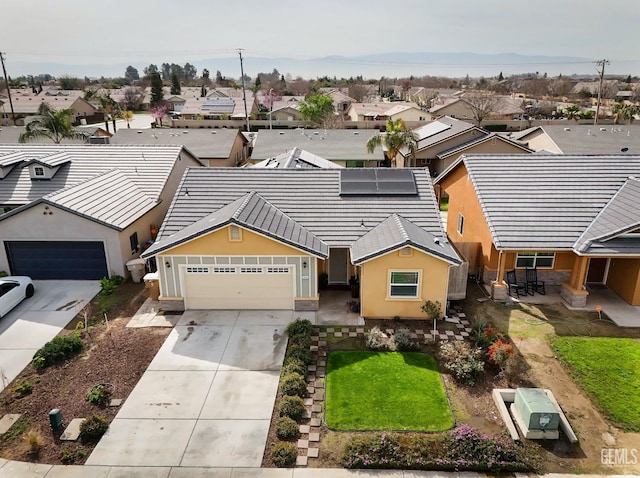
346,147
11,135
218,107
573,138
176,103
423,96
385,111
297,159
341,99
290,112
256,238
27,105
213,147
575,218
82,212
506,108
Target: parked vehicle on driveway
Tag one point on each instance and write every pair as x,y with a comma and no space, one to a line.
13,290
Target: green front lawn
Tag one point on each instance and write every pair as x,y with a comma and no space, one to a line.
607,368
385,391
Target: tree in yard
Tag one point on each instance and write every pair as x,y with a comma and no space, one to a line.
156,88
482,105
127,115
52,124
572,112
165,70
150,70
131,99
159,111
397,140
175,85
131,73
317,108
70,83
190,72
623,111
111,110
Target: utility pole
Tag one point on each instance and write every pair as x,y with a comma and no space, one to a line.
244,94
601,64
6,82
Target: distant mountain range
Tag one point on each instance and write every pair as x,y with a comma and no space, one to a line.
401,64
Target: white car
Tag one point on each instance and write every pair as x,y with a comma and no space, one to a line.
13,289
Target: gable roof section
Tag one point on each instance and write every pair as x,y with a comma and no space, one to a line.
396,232
110,198
441,130
252,212
51,161
296,159
308,196
621,215
148,167
474,142
544,202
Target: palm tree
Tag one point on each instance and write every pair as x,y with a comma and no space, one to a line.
397,140
572,112
52,124
623,111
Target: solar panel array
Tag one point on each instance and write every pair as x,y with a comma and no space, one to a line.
377,182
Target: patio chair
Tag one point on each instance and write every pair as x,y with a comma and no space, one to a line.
514,285
533,284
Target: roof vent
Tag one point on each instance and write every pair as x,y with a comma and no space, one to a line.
356,132
624,150
436,240
603,129
281,132
316,132
567,129
589,133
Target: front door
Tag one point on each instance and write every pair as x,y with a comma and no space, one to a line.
338,265
597,270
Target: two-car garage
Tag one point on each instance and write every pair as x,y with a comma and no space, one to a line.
65,260
238,287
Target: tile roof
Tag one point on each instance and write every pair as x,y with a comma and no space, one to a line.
148,167
311,197
204,143
546,202
396,232
110,198
620,216
333,144
476,141
442,129
252,212
296,159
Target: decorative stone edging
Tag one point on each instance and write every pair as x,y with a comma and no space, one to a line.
308,442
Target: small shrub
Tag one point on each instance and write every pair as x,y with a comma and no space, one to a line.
107,286
293,384
403,342
286,428
293,365
67,456
515,366
34,442
284,454
301,353
432,309
375,339
92,429
463,361
300,327
117,280
24,389
99,394
292,407
56,351
4,274
303,341
499,353
482,334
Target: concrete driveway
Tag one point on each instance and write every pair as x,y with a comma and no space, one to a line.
37,320
206,398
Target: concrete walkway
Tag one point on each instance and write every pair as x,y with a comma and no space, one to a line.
37,320
206,398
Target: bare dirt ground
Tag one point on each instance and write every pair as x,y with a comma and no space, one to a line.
111,354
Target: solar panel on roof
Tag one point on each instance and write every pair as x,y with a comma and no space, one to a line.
377,182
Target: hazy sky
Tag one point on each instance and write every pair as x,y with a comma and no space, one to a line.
153,31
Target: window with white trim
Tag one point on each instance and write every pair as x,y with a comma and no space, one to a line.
404,284
224,270
541,260
251,270
197,270
277,270
460,224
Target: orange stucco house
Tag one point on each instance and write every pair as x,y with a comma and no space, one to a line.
575,218
260,238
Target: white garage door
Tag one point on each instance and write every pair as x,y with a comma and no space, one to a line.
238,287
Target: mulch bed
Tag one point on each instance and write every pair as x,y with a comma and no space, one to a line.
112,354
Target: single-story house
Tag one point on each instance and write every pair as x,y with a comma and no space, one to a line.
219,147
573,217
346,147
385,111
260,238
83,211
28,105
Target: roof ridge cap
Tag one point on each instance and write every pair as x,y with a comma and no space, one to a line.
247,198
397,218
